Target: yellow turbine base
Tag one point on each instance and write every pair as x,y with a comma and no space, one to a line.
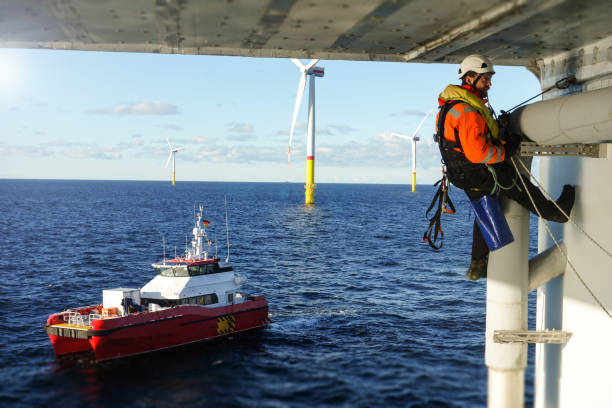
413,181
173,178
310,184
309,193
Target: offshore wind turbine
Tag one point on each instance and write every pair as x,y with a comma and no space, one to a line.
173,151
414,138
311,70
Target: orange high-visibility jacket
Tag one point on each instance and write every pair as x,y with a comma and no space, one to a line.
465,121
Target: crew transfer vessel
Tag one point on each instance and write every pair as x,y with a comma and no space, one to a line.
191,299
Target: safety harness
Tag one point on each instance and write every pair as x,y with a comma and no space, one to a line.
445,205
441,196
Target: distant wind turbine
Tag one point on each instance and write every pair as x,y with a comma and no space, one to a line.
414,138
173,151
313,71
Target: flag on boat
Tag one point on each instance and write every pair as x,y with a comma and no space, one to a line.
206,223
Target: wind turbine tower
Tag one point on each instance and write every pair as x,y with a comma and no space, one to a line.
311,70
173,151
414,138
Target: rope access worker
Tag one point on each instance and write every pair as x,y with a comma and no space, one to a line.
477,154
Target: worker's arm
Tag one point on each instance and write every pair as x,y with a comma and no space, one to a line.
476,146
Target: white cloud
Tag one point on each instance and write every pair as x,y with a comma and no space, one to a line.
343,129
140,108
93,152
240,131
170,126
134,141
27,151
240,137
238,127
202,140
409,112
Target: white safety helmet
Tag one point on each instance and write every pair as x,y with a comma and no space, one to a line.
475,63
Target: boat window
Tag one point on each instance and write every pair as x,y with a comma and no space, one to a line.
180,271
211,299
230,298
165,271
160,302
206,269
194,270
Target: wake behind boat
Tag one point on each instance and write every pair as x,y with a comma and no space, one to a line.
191,299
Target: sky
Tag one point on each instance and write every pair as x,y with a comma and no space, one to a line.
106,116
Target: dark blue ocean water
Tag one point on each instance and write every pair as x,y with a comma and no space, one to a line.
363,313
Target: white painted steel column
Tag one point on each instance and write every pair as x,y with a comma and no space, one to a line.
507,289
414,140
310,144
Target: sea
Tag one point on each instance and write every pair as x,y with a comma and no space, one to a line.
363,312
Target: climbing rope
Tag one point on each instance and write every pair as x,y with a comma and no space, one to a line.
563,212
565,254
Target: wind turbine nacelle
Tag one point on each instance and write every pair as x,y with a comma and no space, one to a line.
317,71
416,138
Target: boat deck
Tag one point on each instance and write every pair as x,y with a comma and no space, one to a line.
74,331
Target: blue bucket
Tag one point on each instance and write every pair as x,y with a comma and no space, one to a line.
492,222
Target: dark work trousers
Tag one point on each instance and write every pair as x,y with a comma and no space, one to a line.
506,174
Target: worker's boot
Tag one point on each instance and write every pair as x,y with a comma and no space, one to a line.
566,202
477,269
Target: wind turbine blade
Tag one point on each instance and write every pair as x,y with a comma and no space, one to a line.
422,121
169,144
169,157
178,148
298,63
311,64
296,109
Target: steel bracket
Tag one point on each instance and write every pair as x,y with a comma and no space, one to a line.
593,150
531,336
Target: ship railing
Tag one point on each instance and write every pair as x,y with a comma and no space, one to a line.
77,319
66,316
94,316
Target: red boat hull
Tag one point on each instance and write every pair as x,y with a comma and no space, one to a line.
146,332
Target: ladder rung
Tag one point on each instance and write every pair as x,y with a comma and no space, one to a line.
531,336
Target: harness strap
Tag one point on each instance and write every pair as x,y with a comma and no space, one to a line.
439,137
444,205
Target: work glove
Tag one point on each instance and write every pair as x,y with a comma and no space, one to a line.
503,120
513,143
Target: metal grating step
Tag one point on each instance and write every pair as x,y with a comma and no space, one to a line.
531,336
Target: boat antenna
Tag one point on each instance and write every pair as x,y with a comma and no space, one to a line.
226,232
175,251
186,249
164,248
215,238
